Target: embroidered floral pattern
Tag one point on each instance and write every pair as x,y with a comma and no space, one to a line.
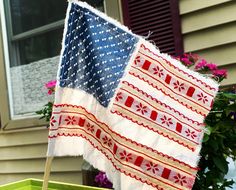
191,134
152,167
158,71
124,153
90,127
141,108
125,156
107,141
179,86
180,179
70,120
138,60
167,121
202,98
119,96
52,121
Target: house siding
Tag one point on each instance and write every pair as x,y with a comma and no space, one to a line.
23,155
209,29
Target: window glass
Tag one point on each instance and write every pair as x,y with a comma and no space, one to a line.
29,14
40,47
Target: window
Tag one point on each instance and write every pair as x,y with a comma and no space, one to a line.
35,30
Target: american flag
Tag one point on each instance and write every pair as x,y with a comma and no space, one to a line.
131,111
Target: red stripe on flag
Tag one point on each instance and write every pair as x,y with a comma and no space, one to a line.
129,101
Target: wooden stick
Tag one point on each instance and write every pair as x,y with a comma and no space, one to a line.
47,172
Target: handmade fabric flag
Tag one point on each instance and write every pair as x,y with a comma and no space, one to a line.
131,111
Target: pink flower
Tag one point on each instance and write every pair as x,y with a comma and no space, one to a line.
201,64
220,73
50,92
211,66
194,57
186,61
51,84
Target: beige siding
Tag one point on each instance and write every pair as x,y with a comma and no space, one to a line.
209,29
22,155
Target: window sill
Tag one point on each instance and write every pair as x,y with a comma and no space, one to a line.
24,123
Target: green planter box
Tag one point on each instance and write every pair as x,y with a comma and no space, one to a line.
35,184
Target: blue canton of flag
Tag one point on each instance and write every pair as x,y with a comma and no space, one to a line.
92,46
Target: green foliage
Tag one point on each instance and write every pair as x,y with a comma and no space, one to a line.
219,143
46,111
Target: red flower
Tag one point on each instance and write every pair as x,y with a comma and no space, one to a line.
202,98
179,86
90,127
191,134
180,179
52,121
158,71
51,84
125,156
201,64
119,96
167,121
107,141
70,120
211,66
220,73
153,167
141,108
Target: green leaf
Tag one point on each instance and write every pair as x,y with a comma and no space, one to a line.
231,108
221,164
205,138
229,96
213,144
